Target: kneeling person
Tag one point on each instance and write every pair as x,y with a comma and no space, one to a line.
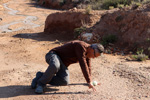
60,58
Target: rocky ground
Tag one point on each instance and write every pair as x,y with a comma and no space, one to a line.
23,47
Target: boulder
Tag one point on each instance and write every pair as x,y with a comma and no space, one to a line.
86,37
89,37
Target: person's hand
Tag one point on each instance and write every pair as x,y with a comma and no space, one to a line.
91,86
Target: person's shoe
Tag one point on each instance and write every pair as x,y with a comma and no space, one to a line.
39,89
34,81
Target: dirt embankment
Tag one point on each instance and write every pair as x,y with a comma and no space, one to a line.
64,23
132,27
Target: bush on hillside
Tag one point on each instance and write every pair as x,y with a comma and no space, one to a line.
109,39
106,4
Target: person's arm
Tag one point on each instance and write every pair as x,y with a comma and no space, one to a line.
80,52
85,66
89,65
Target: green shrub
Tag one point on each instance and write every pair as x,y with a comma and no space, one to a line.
78,31
124,2
88,9
109,39
96,5
140,56
108,3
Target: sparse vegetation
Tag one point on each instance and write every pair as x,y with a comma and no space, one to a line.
78,31
102,4
109,39
107,3
88,9
110,4
140,55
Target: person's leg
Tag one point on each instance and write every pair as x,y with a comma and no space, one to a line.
53,68
62,77
35,80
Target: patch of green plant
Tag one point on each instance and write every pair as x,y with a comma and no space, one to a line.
148,39
110,4
124,2
78,31
111,7
120,5
136,3
109,39
96,5
140,55
139,51
107,3
88,9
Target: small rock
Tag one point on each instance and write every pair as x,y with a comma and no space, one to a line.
128,59
110,44
139,85
114,72
87,36
122,53
140,97
130,52
73,9
26,65
109,51
3,31
114,54
9,29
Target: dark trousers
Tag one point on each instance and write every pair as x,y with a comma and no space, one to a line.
57,73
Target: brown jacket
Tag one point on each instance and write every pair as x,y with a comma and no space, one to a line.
73,52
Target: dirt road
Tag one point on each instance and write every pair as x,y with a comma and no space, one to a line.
22,50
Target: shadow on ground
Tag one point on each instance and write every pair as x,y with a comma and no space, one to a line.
34,4
19,90
43,37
